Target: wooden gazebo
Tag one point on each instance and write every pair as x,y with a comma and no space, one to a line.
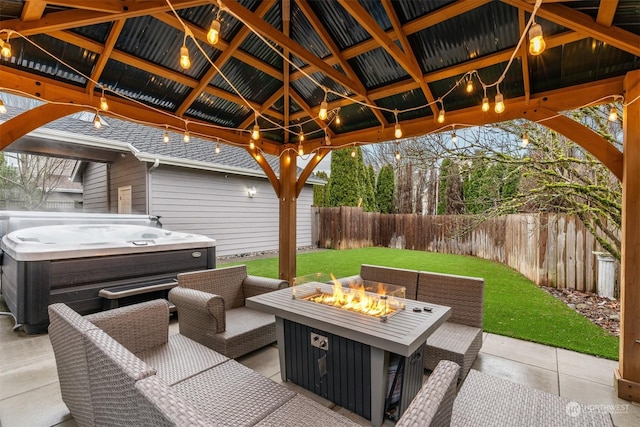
380,66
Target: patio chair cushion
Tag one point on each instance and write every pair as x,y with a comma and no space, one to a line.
301,411
486,400
455,342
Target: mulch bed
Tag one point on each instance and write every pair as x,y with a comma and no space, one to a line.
604,312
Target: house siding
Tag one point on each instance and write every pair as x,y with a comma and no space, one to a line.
95,188
217,205
129,171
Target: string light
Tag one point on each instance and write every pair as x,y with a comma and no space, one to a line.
441,114
185,61
255,135
525,139
213,36
3,109
398,131
327,138
454,137
104,105
165,137
397,155
258,155
499,107
301,135
300,150
252,144
485,100
353,152
322,114
469,88
338,121
613,114
536,41
5,48
217,148
97,123
187,137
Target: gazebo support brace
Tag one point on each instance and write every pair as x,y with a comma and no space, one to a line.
288,201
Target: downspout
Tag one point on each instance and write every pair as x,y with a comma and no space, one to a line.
155,164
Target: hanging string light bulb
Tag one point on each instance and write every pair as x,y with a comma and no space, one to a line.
441,114
300,149
353,152
469,87
255,134
613,114
218,147
301,135
187,137
213,36
454,137
5,48
165,137
252,144
327,138
536,41
104,105
398,130
322,114
258,155
397,155
185,60
3,109
499,106
525,140
97,123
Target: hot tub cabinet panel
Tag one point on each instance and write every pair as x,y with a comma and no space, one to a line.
37,272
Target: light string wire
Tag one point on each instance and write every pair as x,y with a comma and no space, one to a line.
186,121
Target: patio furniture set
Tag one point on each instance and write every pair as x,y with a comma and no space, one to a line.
121,367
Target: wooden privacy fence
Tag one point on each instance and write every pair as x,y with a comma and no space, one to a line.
549,249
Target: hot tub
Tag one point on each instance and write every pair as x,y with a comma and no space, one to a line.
72,263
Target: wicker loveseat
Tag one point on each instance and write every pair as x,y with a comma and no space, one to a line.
460,338
211,309
121,368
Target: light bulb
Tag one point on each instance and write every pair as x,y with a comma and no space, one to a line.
301,136
322,114
536,41
213,36
300,150
6,50
499,107
398,131
97,123
104,105
338,121
613,114
187,137
469,88
258,156
252,145
3,109
218,148
165,137
185,61
255,135
353,152
397,155
525,139
485,104
327,139
454,137
441,116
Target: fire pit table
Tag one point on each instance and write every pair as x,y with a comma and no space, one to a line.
369,364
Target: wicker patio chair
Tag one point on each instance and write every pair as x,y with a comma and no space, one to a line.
211,309
459,339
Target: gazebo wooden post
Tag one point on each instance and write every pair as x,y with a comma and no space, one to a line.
627,376
287,201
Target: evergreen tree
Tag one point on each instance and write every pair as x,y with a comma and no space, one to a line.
385,190
450,200
320,192
371,184
344,185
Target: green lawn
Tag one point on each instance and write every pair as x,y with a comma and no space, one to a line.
514,306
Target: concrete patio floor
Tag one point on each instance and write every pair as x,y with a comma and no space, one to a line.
30,393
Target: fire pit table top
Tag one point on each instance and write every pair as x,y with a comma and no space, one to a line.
402,333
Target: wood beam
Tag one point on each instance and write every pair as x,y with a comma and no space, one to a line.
287,218
109,6
301,102
606,12
32,119
286,30
296,49
109,44
628,373
74,18
56,92
266,167
266,107
33,10
578,21
308,169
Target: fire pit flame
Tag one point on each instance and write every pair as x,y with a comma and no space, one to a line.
356,299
